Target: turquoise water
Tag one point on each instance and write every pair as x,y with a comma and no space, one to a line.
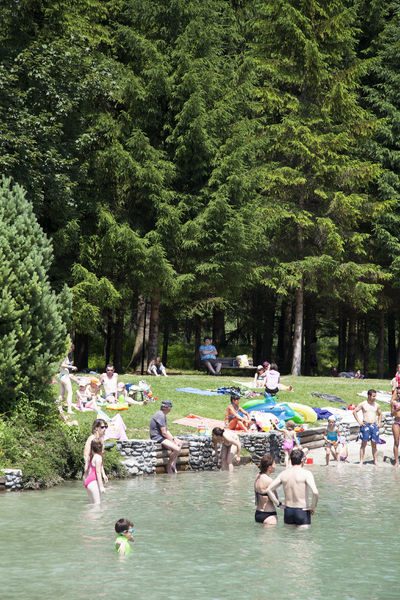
196,538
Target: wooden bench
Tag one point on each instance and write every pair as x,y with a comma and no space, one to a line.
230,362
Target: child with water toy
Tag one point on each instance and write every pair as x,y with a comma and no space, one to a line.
124,529
93,481
331,437
289,440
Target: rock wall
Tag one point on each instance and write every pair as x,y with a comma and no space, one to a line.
10,479
144,457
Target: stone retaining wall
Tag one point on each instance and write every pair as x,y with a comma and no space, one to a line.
141,457
10,479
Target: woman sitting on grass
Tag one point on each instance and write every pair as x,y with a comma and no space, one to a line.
237,418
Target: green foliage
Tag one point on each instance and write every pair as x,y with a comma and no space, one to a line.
31,324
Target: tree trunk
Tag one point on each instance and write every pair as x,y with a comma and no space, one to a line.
81,352
197,341
391,319
298,331
218,329
108,338
118,340
351,344
166,331
154,325
381,345
342,341
140,333
366,350
310,338
284,347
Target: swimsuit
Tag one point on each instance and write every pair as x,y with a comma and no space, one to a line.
332,437
288,445
261,515
91,476
297,516
369,432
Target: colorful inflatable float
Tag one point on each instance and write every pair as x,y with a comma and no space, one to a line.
299,413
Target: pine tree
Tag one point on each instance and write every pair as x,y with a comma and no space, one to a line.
32,319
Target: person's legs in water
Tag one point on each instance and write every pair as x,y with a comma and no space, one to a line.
374,452
327,454
94,492
175,448
229,454
362,451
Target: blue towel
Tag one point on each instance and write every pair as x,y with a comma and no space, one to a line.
329,397
321,413
198,391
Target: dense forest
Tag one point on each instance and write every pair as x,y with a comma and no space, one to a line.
213,166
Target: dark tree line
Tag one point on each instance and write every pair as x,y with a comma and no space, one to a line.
214,166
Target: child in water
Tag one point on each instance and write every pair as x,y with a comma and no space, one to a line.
289,440
124,529
93,481
331,437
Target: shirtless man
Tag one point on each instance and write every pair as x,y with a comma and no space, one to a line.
296,482
159,433
370,424
109,381
395,410
231,447
265,510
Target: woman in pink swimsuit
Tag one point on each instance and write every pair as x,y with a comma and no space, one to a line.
93,481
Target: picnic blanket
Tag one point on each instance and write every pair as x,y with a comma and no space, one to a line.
116,426
380,396
198,391
197,421
329,397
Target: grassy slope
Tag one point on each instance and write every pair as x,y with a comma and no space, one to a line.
137,417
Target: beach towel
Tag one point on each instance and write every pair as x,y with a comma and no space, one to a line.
197,421
380,396
116,426
329,397
322,413
198,391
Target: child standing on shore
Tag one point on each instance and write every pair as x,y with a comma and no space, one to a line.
331,437
124,529
289,440
93,481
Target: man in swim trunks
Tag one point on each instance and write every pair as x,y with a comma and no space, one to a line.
297,482
369,425
159,433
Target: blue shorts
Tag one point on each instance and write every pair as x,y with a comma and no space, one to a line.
369,432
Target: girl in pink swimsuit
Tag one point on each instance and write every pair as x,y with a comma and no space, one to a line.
93,481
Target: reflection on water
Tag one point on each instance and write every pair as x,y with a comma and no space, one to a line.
196,538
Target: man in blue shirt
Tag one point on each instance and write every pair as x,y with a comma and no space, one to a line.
208,357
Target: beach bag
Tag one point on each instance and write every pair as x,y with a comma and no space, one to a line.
242,360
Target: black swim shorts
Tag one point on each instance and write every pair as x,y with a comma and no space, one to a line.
297,516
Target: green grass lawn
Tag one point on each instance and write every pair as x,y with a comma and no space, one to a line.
137,417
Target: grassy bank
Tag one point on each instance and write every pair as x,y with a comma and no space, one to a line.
137,417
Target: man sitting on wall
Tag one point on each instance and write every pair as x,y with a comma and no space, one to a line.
208,357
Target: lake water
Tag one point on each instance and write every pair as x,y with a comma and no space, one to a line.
196,538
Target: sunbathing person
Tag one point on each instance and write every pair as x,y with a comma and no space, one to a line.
260,377
273,381
237,418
